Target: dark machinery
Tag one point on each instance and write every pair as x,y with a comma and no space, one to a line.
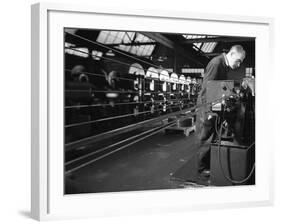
233,143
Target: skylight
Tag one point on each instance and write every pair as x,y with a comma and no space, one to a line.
198,45
194,36
81,52
125,38
206,47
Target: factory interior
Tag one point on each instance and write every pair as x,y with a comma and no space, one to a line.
131,111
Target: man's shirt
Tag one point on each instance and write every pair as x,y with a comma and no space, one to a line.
217,69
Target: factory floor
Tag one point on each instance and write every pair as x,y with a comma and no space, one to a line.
146,165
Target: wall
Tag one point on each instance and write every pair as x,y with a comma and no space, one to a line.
15,111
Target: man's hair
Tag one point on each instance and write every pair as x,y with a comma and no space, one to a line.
239,49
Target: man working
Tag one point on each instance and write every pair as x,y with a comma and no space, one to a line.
217,69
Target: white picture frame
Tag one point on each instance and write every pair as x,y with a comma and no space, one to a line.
48,201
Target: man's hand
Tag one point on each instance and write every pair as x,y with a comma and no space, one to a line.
249,83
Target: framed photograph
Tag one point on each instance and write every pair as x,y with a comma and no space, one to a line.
137,112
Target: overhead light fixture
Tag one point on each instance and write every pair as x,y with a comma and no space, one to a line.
110,53
162,58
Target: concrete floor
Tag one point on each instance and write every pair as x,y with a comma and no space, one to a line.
147,165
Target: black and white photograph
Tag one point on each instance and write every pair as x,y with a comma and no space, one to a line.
157,111
170,113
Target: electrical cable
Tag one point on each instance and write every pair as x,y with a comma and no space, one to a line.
114,132
118,149
117,104
120,116
115,117
120,62
117,143
149,133
220,162
113,49
109,59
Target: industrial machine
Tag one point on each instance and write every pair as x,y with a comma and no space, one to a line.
233,143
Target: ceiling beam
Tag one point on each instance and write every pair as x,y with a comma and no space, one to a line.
161,39
132,44
218,39
213,54
172,45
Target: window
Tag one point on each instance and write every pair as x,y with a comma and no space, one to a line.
206,47
96,55
111,37
124,39
81,52
193,70
67,45
249,72
194,36
197,45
